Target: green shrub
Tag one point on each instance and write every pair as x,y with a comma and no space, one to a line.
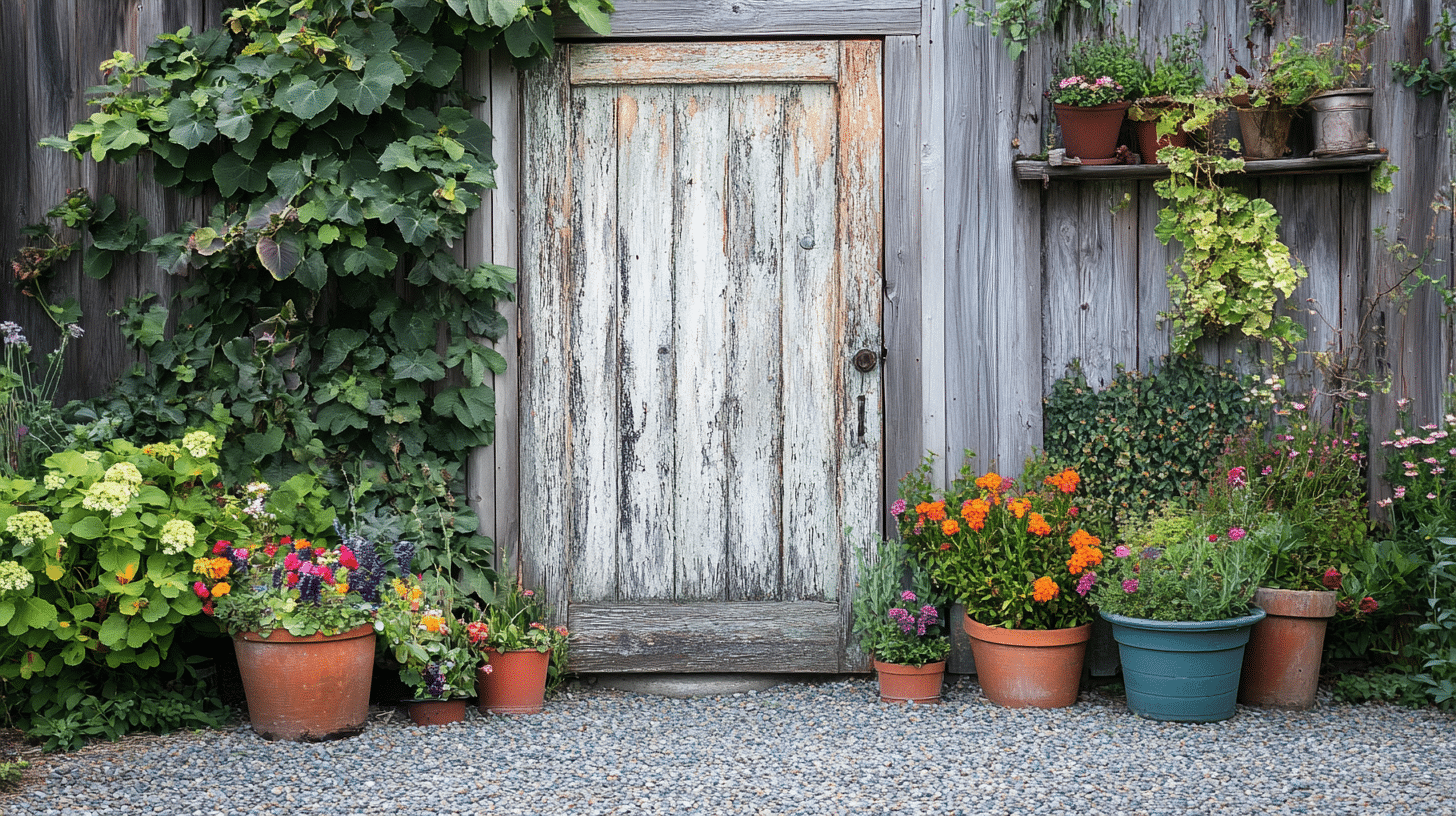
1146,438
10,773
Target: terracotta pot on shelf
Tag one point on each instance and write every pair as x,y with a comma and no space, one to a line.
1090,134
910,684
1265,131
1149,143
516,682
437,712
306,688
1282,660
1037,668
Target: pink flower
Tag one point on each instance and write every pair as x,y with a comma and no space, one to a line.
897,509
1332,579
1237,478
1402,403
292,561
907,595
200,588
1121,551
1430,495
1383,503
1069,81
1130,585
1084,584
1369,604
1400,492
1237,533
1298,406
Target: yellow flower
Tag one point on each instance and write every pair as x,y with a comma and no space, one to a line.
220,589
432,623
342,587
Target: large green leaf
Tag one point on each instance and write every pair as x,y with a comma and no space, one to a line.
502,12
89,528
232,173
306,99
279,254
472,407
265,443
423,366
592,13
186,127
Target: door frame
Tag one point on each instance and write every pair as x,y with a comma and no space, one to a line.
494,472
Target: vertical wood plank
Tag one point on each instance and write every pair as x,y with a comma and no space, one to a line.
504,202
646,540
545,249
479,473
938,55
812,377
755,365
700,254
861,252
903,379
592,300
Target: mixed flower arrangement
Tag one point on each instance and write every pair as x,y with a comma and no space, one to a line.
426,639
274,581
517,621
1015,555
895,624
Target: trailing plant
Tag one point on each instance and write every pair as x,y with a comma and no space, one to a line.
326,313
1144,439
1233,269
1346,61
1017,21
898,613
1429,78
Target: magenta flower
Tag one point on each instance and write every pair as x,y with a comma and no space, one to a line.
1121,551
1084,584
897,508
1236,533
1130,585
1237,477
907,595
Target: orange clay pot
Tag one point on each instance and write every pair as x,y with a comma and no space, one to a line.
516,683
437,712
307,688
1282,660
910,684
1019,668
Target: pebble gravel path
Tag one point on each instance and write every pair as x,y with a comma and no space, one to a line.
798,748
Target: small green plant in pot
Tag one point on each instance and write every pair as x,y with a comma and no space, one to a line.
1267,96
901,626
1177,593
1175,78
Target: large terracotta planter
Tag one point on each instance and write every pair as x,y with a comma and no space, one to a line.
1020,668
307,688
1182,671
910,684
1091,133
1282,662
515,684
437,712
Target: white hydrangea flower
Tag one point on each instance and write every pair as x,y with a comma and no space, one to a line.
199,443
30,527
54,481
109,497
177,535
14,578
91,455
125,473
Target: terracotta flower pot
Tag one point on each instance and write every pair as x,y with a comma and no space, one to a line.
1282,660
910,684
1149,143
516,682
1265,130
1019,668
437,712
309,688
1091,133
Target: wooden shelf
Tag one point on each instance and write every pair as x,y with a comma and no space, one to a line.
1027,170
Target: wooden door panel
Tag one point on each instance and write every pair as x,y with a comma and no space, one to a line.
714,267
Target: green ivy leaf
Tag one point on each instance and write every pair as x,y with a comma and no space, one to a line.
423,365
232,173
473,407
592,13
279,254
306,99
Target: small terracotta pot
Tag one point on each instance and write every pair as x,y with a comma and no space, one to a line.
1265,130
437,712
516,682
910,684
309,688
1282,660
1149,143
1091,133
1020,668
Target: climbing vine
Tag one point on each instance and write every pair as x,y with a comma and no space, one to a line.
326,325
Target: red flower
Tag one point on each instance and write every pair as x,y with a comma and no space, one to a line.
945,546
1369,604
292,579
270,550
1212,536
1332,579
286,541
207,608
347,559
1072,511
220,546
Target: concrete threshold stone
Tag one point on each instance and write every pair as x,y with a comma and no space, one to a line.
688,685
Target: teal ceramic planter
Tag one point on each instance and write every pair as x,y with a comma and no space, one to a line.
1182,671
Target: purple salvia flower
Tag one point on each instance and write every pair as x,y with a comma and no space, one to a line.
1084,584
1130,585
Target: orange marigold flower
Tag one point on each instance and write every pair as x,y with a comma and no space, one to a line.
974,512
1084,558
923,508
950,527
342,587
432,623
301,544
1038,526
1019,507
220,589
1082,538
1044,589
936,512
945,546
1066,481
991,483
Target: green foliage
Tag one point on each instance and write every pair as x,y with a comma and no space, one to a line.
1428,78
1115,57
1146,438
1017,21
1390,574
1178,70
1234,268
1189,565
894,581
427,641
1390,685
327,324
1286,77
11,773
31,428
1346,61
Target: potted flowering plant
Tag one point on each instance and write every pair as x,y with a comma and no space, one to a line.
520,647
1016,557
1311,472
301,616
902,629
1267,97
1090,91
1177,592
1342,104
430,645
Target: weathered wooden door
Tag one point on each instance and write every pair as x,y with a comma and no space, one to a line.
701,263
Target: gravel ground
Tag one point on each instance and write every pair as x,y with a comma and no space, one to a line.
798,748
